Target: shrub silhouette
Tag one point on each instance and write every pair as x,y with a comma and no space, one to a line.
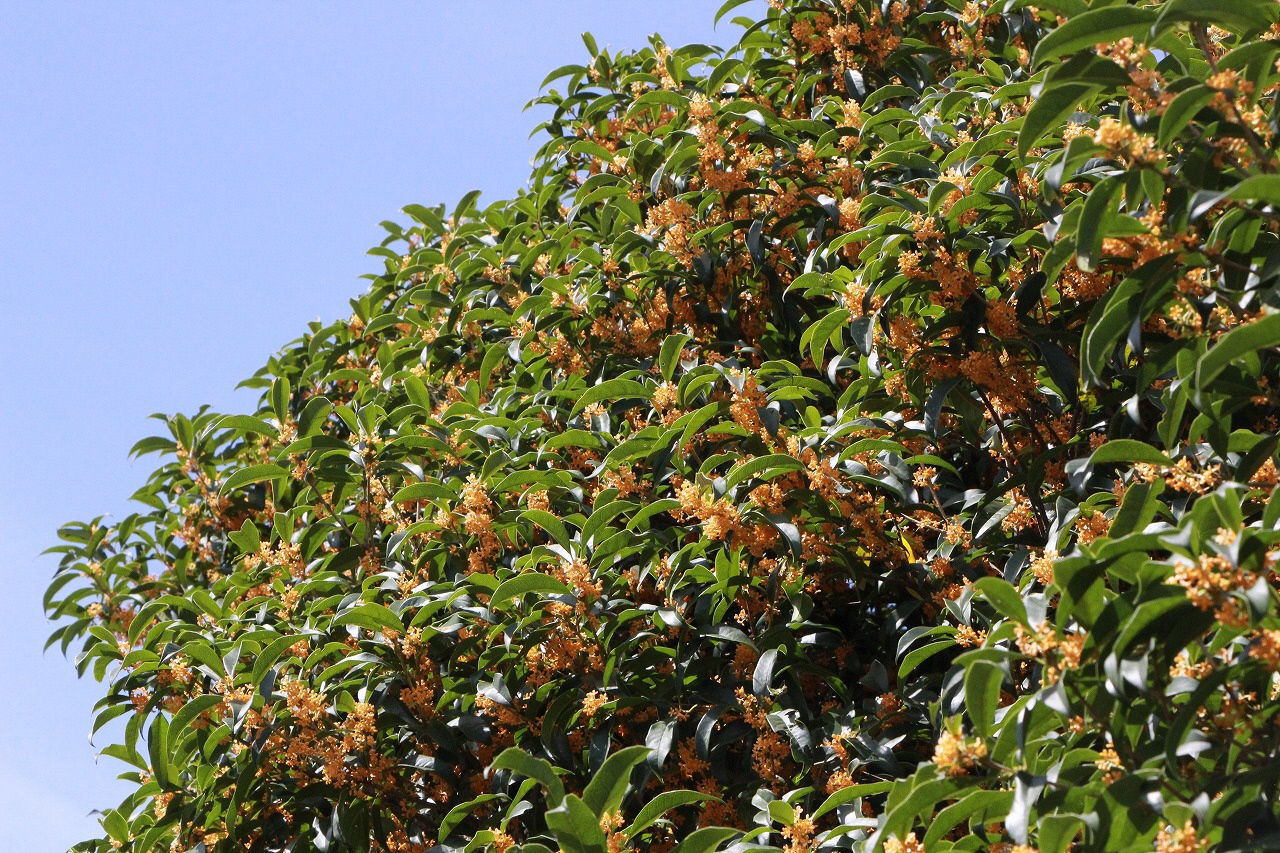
862,439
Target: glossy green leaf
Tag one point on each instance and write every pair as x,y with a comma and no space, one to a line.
187,714
1180,112
548,522
604,793
370,616
1097,26
705,840
1238,16
576,827
1099,209
762,468
1127,450
660,805
526,583
1050,111
669,355
611,389
540,769
253,474
1259,334
982,684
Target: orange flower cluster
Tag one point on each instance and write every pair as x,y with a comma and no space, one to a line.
910,844
1183,839
478,522
1058,653
1211,582
956,754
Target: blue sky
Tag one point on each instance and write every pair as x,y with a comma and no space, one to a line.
182,188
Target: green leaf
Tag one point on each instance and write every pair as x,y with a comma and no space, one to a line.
1097,26
1087,67
850,793
696,421
726,8
550,523
202,652
1185,721
820,333
187,714
660,805
424,216
1056,832
247,538
126,754
918,803
982,682
528,582
763,675
1099,208
522,763
705,840
493,356
780,811
245,423
459,812
1143,622
604,793
1237,16
562,71
253,474
1129,302
572,438
1240,341
424,491
656,508
280,396
974,804
465,205
313,416
370,616
915,657
417,392
1138,508
1003,597
1169,428
934,403
602,515
762,468
575,827
1128,450
1181,110
153,444
1049,113
270,653
611,389
158,751
116,826
1263,188
669,355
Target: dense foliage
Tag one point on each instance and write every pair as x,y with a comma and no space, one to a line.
863,438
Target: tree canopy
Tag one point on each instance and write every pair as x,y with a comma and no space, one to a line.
860,438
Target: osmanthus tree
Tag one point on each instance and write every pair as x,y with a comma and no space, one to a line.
863,438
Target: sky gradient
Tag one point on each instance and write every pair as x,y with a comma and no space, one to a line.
184,187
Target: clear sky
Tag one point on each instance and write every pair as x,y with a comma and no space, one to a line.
183,186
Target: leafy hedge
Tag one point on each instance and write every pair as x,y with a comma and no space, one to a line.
863,438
